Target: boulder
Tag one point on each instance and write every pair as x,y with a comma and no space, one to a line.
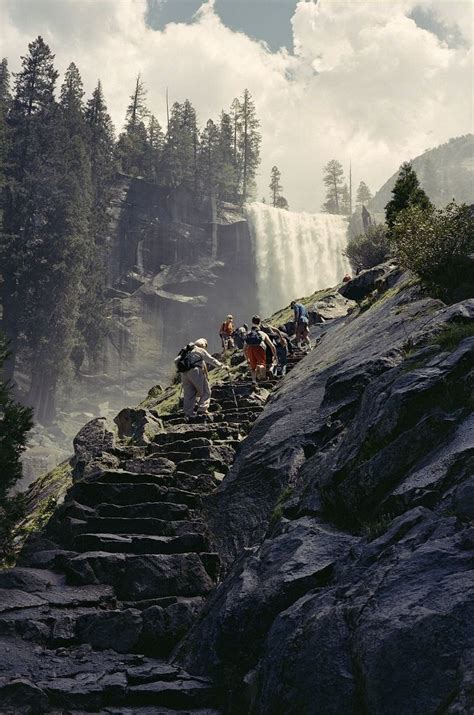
367,281
95,438
119,630
331,307
138,424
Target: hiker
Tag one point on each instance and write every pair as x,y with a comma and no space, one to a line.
226,330
283,347
238,336
301,324
191,363
274,335
347,278
256,342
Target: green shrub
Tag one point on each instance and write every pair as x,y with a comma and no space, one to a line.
452,334
368,249
435,244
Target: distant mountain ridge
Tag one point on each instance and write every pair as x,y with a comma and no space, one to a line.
445,172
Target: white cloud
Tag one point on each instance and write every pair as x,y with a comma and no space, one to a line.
365,83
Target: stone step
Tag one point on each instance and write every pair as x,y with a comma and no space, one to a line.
154,510
197,431
203,466
91,493
140,544
138,577
189,693
131,525
237,417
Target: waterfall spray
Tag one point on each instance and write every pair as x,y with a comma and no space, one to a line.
295,253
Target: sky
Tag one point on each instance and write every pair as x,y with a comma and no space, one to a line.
368,82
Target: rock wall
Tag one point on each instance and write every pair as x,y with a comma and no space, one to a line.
175,269
346,524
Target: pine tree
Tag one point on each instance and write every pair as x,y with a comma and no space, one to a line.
15,423
28,194
72,107
208,157
91,323
334,181
345,201
406,193
180,153
275,186
154,148
5,100
132,143
249,144
363,195
227,174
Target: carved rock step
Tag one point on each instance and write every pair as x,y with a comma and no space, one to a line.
201,483
196,431
145,525
137,577
155,510
175,694
140,544
91,493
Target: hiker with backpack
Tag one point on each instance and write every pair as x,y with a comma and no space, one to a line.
225,333
191,363
239,336
301,318
256,342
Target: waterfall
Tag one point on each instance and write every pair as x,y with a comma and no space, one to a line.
295,253
139,261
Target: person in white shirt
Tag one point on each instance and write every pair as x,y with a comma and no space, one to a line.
195,381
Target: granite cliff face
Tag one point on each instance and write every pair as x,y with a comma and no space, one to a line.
310,551
346,523
175,268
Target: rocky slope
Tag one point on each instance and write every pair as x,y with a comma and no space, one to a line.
310,551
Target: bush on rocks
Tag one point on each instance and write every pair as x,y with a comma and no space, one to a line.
368,249
436,245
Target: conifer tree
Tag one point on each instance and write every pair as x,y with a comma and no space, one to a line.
249,144
407,192
334,182
91,323
132,144
5,100
275,186
363,195
15,423
209,157
154,148
29,192
227,175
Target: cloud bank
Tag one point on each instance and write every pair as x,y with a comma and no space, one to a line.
365,83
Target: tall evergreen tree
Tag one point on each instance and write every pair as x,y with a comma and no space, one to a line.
15,423
91,323
154,148
71,101
5,100
28,193
275,186
407,192
227,174
334,182
249,144
180,153
132,144
363,195
208,164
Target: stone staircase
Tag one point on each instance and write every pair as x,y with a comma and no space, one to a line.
121,572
